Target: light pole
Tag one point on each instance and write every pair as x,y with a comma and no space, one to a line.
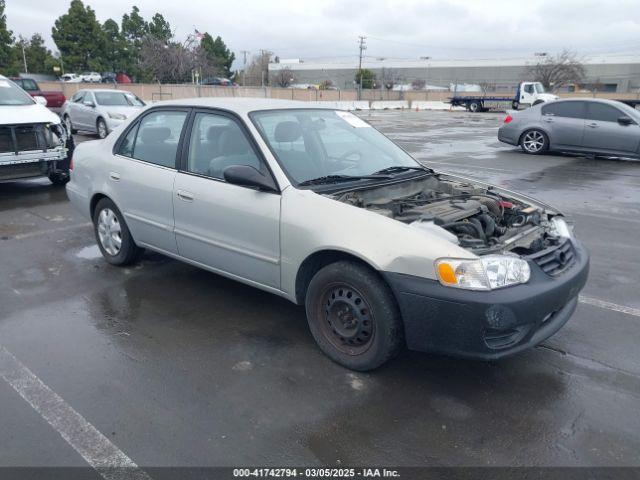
24,59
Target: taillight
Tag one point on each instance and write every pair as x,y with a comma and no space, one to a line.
508,118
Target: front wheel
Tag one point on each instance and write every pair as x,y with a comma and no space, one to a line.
113,236
69,125
534,142
353,316
101,127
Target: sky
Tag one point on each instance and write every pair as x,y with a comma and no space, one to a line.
394,29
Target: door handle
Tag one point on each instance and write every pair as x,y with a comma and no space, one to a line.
115,176
592,125
186,196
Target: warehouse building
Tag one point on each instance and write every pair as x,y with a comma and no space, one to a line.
610,73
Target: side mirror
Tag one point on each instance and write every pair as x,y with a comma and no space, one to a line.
249,177
625,120
40,100
89,103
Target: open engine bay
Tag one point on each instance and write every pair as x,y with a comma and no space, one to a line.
473,216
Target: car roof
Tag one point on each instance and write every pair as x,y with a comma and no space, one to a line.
241,105
615,103
100,90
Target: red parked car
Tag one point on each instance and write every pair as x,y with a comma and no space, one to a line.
55,100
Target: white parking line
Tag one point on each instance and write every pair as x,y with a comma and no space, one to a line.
610,306
107,459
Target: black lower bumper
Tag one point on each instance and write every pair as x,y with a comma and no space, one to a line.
488,325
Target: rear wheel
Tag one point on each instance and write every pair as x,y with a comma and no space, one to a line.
353,316
101,128
113,236
59,178
515,105
534,142
474,107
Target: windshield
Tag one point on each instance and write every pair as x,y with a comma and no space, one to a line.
11,94
311,144
539,88
118,99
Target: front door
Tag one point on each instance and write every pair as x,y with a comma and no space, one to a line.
604,134
231,229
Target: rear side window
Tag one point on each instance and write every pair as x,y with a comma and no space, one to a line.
155,139
603,113
565,109
29,85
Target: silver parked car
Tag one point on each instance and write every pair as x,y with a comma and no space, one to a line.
604,127
320,208
99,110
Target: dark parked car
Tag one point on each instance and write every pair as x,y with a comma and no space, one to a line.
606,127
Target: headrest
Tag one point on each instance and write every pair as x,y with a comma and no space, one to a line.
233,142
288,131
214,132
155,134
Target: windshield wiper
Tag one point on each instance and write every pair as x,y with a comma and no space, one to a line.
341,178
400,168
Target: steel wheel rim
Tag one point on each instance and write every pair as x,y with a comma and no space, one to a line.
346,319
109,232
102,130
533,141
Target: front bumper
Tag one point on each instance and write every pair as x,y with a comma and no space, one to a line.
488,325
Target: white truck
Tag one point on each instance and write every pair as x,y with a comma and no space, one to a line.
527,94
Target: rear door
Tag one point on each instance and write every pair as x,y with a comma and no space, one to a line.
564,123
604,134
231,229
141,176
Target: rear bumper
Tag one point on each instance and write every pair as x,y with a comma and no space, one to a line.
507,135
488,325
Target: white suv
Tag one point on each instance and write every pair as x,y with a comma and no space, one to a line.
317,206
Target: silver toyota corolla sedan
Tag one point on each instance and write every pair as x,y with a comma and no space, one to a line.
595,126
99,110
317,206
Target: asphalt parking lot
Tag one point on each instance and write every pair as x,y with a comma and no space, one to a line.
179,367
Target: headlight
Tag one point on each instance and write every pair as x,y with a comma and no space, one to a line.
117,116
559,228
485,273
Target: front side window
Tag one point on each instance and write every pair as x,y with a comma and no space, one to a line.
11,94
528,88
603,113
568,109
155,139
310,144
218,142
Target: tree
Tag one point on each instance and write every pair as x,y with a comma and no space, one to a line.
134,27
79,37
216,52
258,70
389,78
39,57
6,40
159,28
368,78
558,71
418,84
284,77
117,54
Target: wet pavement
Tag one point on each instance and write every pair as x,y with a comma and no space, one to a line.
179,367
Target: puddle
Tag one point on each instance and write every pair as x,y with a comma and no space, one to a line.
89,253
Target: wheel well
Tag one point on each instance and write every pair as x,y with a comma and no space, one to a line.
313,263
94,201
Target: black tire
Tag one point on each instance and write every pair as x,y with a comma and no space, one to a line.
101,129
67,121
59,178
515,105
128,252
353,316
475,107
537,137
537,102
